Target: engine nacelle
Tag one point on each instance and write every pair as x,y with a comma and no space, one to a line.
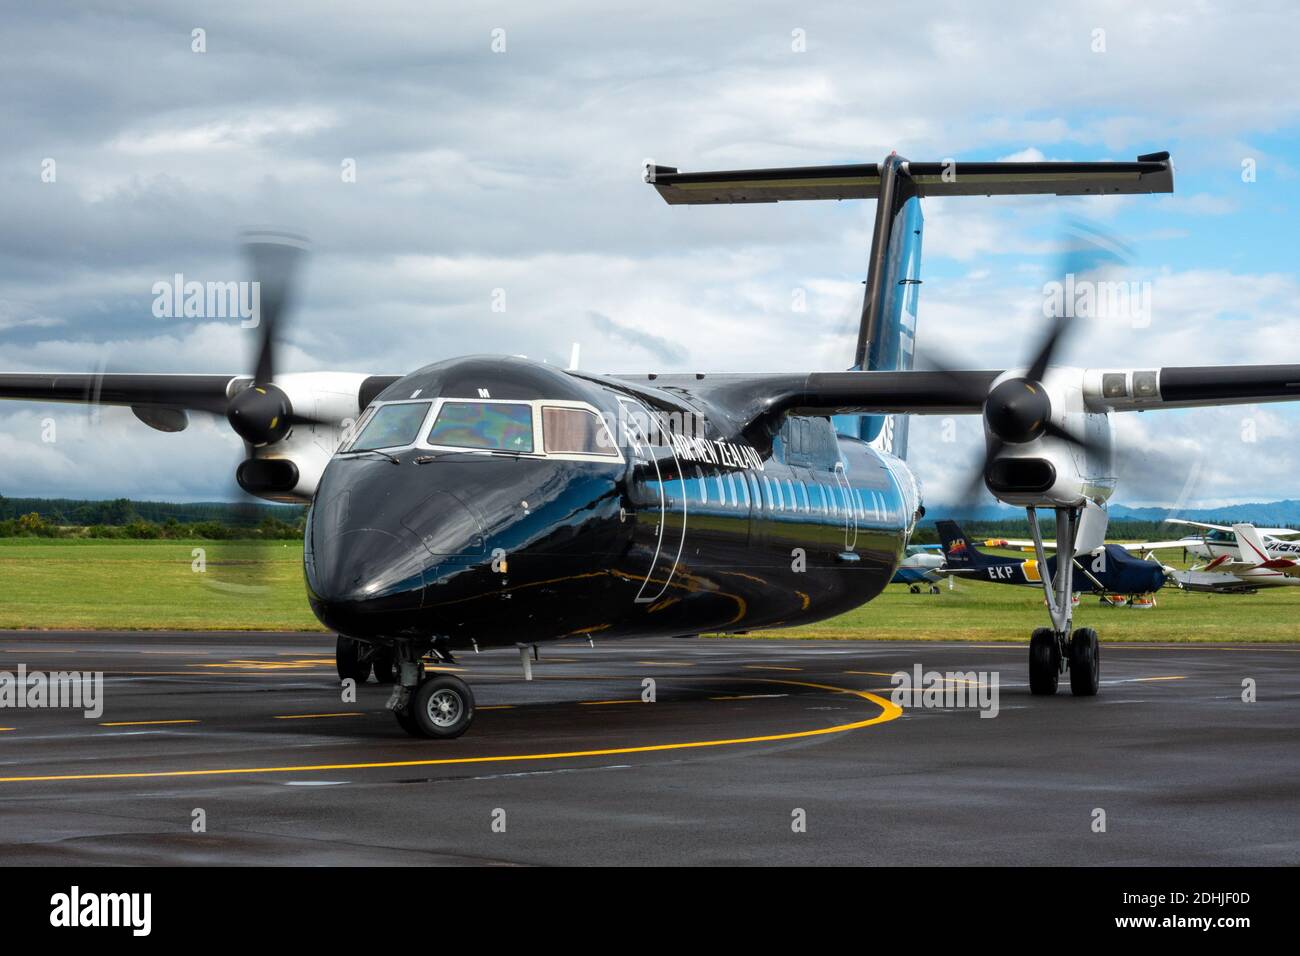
288,470
1049,471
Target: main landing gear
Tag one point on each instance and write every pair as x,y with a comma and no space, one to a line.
1057,649
355,660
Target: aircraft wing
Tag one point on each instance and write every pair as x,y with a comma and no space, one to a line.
769,396
209,393
161,401
1271,532
1136,546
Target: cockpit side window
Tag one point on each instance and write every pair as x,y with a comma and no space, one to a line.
575,431
495,426
391,426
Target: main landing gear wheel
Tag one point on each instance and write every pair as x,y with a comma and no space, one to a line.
353,659
1044,661
442,707
1085,663
385,664
913,589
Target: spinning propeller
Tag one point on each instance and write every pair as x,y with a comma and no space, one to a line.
1019,410
262,413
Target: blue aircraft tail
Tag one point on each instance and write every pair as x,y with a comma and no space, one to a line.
958,551
886,336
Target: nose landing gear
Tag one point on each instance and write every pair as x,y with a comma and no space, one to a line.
1056,649
436,705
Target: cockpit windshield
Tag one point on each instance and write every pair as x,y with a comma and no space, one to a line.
391,426
544,428
497,426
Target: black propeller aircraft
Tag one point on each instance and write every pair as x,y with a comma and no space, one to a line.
494,501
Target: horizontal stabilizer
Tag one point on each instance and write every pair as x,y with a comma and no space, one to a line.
1152,173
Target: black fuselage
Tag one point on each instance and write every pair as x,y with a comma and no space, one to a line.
693,524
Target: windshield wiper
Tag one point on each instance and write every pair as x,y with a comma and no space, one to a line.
375,451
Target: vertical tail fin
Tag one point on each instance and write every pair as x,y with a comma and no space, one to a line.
957,548
1251,544
887,333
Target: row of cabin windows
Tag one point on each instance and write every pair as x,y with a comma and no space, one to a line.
786,495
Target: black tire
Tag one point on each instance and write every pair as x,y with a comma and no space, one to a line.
912,588
442,707
384,661
1044,662
407,723
1085,663
352,659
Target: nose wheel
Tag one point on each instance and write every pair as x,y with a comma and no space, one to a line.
436,705
442,708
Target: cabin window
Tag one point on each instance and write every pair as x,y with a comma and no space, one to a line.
496,426
703,485
391,426
575,431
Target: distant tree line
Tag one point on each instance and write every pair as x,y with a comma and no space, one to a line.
123,518
1118,529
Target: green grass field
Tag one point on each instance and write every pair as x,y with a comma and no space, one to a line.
111,584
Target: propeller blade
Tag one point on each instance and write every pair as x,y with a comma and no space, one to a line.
1043,358
275,259
1085,249
969,498
296,419
1056,431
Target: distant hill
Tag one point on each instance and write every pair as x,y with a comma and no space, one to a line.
1273,513
1144,524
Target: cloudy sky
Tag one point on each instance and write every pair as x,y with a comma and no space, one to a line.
500,145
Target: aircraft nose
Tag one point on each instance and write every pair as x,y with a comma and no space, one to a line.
1157,578
368,569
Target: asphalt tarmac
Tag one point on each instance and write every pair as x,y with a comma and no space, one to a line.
752,752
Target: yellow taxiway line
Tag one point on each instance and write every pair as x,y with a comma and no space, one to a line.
888,711
602,703
142,723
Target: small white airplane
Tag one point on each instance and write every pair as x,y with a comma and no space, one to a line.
1218,540
924,566
1253,567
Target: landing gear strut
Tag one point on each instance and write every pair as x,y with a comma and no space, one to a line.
1054,650
436,705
